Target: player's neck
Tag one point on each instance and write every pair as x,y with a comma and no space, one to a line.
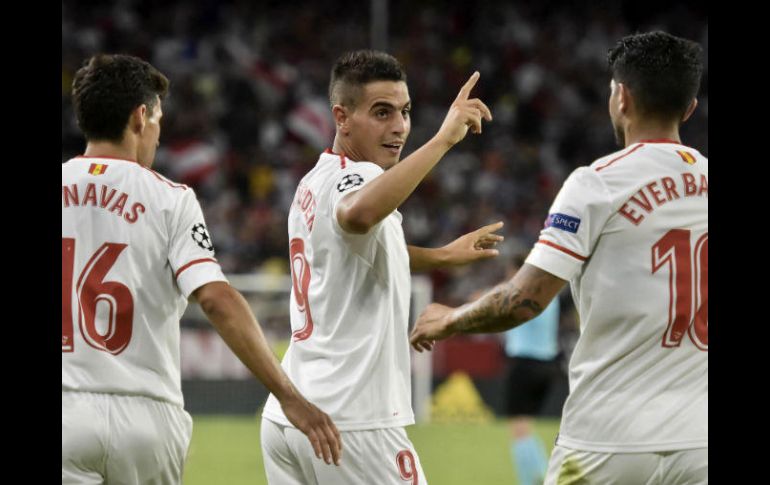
343,147
111,150
637,132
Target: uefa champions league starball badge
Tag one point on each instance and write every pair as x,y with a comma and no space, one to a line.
201,237
349,181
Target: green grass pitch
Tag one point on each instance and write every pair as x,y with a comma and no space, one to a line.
225,450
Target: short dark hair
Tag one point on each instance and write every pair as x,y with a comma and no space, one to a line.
357,68
108,88
663,72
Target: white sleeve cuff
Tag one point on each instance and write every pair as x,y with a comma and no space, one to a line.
556,260
197,273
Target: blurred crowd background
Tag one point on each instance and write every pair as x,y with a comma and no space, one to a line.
248,113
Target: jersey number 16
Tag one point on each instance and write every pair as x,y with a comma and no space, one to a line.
91,289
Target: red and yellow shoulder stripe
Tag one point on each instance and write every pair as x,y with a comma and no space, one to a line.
97,168
687,157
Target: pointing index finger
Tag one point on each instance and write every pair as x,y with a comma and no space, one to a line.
491,228
465,91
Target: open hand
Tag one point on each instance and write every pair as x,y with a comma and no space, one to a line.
317,426
475,245
433,324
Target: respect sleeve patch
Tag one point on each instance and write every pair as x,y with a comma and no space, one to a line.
563,222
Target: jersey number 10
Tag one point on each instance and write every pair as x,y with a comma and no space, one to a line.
91,289
688,286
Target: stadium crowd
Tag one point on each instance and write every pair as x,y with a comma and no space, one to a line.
248,109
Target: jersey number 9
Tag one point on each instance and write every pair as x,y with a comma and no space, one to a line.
300,277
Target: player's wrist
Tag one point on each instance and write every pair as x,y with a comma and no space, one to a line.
286,393
442,257
442,141
451,322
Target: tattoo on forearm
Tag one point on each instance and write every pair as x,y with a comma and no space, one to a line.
501,309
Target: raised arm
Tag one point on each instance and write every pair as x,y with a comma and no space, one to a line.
232,318
359,211
507,305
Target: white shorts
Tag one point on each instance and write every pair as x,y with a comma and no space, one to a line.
376,456
573,467
114,439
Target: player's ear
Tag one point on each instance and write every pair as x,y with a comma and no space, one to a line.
341,117
625,98
690,109
137,120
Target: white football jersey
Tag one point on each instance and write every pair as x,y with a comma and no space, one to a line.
349,352
134,247
630,233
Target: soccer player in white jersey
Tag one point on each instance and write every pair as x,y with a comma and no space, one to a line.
351,269
134,249
630,232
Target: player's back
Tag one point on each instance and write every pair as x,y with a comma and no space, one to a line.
639,372
349,307
121,301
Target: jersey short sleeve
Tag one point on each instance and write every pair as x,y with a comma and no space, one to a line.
191,250
575,221
351,179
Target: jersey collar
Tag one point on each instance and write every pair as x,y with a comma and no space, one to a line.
108,158
660,140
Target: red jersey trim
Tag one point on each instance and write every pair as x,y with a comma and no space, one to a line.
164,180
196,261
660,140
618,158
109,158
562,249
341,155
670,142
